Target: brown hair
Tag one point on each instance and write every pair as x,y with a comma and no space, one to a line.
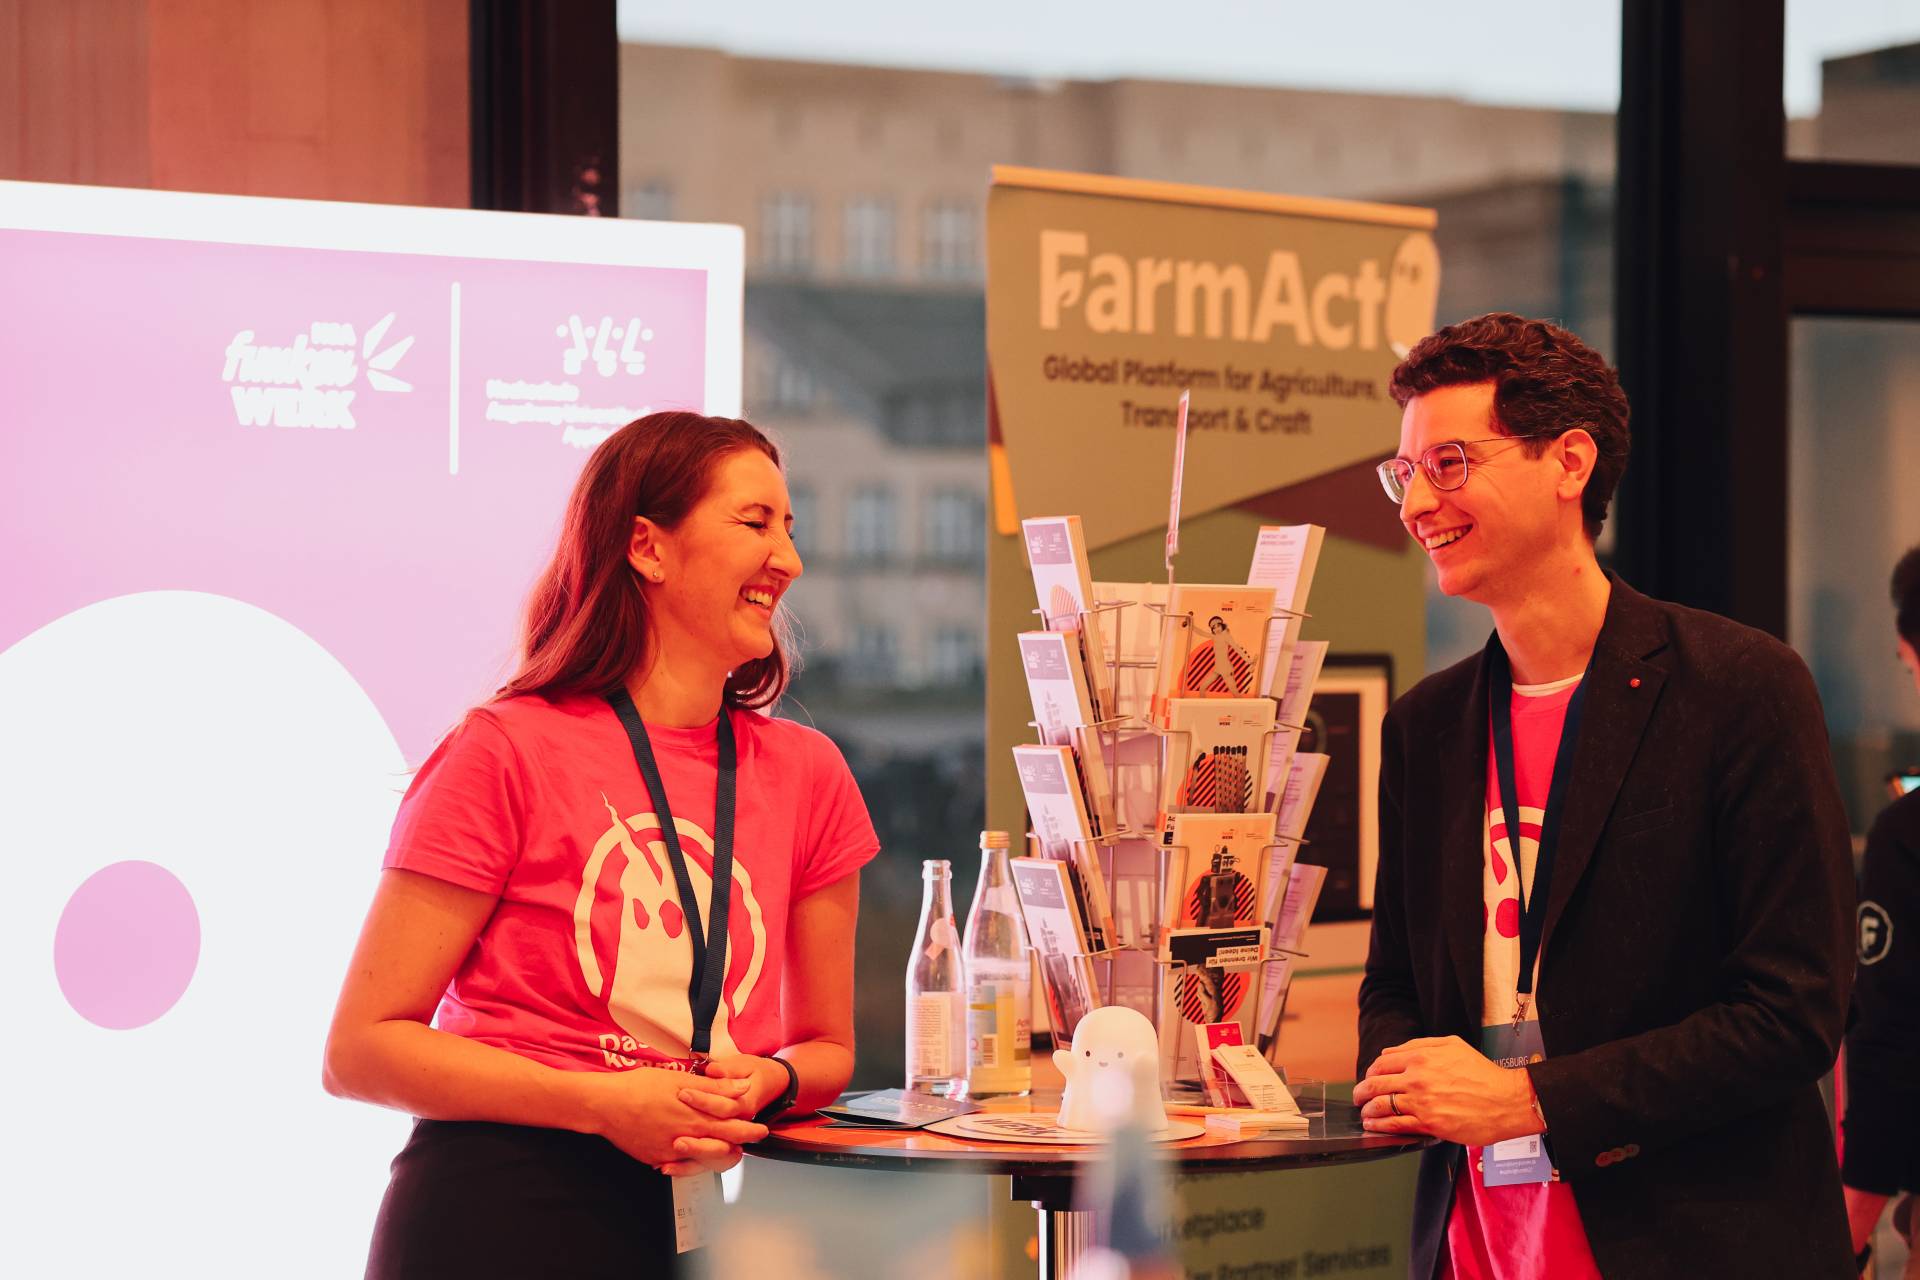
1545,382
585,628
1905,589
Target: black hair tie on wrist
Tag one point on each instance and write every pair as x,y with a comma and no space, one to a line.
788,1096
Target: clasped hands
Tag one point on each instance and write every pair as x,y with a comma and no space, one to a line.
1443,1086
682,1123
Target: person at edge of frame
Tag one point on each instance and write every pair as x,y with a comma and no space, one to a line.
1619,1042
1880,1154
614,933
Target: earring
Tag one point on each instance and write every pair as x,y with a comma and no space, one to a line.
658,576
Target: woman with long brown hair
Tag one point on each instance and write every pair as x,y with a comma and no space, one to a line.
614,933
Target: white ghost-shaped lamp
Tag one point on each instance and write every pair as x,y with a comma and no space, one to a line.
1115,1054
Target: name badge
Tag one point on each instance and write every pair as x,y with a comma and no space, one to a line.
693,1200
1516,1161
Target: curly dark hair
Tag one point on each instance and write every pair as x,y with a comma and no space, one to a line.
1906,596
1546,382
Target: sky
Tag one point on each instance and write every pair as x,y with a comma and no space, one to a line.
1562,53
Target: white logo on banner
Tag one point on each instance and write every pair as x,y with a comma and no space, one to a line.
605,348
311,381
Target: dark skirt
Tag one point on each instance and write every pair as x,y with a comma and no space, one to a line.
474,1200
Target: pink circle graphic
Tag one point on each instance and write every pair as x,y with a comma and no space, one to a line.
126,945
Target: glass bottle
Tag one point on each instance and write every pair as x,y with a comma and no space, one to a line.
999,981
936,991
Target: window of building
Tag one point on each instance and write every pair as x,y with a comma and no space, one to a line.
652,200
786,233
949,242
954,656
956,526
870,524
869,237
875,656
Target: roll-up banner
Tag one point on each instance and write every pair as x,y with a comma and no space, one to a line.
275,478
1108,297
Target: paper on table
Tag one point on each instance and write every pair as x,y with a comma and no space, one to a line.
1256,1077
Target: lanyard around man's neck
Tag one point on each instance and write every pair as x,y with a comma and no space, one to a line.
1533,906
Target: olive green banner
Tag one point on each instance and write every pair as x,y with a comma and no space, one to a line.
1107,297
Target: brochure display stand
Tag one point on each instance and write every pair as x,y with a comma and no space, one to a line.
1167,798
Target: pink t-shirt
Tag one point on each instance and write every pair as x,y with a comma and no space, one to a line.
1532,1230
585,962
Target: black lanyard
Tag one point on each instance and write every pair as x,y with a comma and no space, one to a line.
709,963
1533,907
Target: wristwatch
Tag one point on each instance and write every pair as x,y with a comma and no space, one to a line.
784,1103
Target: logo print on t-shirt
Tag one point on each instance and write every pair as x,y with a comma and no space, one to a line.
651,950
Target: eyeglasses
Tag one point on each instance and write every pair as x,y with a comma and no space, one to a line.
1445,465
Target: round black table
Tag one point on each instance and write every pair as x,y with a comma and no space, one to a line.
1044,1175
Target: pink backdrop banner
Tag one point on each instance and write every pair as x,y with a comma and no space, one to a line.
374,446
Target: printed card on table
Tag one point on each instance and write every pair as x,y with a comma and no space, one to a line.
1220,1086
1216,755
1215,641
1193,995
1217,869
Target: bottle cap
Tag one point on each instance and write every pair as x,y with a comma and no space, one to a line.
995,840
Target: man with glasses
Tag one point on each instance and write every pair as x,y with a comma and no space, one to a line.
1613,914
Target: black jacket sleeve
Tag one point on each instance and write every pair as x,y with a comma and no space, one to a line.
1883,1044
1389,1000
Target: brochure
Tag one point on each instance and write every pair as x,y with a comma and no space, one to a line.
1291,911
1057,554
1303,672
1057,933
1284,558
893,1109
1063,713
1049,906
1293,796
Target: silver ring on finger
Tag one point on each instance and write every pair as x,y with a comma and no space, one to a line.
1393,1100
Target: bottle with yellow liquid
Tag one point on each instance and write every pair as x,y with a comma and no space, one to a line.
999,981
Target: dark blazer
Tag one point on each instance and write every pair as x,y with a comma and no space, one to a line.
1697,953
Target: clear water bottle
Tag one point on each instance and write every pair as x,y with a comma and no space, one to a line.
937,991
999,981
